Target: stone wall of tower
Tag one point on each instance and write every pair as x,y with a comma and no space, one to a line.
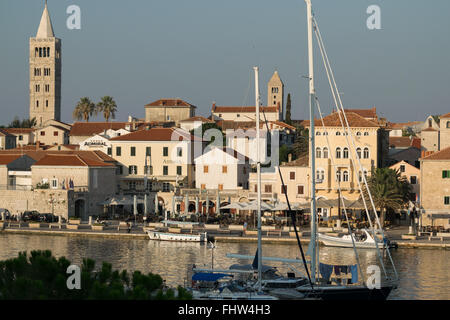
45,79
275,93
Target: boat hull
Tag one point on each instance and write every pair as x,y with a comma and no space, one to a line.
347,243
180,237
346,293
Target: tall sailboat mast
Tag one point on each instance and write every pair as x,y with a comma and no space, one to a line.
258,170
312,143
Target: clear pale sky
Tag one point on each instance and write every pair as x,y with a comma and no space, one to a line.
203,51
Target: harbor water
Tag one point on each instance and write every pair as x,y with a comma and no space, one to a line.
423,273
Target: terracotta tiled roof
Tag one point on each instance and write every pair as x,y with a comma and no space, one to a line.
447,115
157,134
18,130
31,147
444,154
229,124
92,128
403,125
283,124
399,142
404,142
169,103
300,162
74,160
3,132
365,113
354,120
8,158
246,109
197,118
429,129
40,154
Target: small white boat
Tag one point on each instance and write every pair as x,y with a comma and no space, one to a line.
364,241
168,236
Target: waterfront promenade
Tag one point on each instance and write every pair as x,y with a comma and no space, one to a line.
232,233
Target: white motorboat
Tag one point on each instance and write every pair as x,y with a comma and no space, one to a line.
365,241
169,236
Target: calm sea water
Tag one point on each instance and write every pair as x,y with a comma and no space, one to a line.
424,273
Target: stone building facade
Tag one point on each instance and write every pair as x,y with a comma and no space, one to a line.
169,110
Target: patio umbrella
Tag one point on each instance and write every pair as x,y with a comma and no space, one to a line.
280,206
218,203
196,205
253,205
234,205
156,204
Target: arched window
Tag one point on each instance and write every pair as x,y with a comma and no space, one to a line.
318,153
36,52
40,52
448,124
366,133
365,174
325,153
358,152
48,51
345,153
325,133
338,176
318,133
359,176
338,153
366,153
358,133
338,133
430,123
345,175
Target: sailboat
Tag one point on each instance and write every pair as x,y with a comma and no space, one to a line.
248,290
322,288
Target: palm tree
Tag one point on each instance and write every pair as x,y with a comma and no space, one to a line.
84,110
108,106
389,190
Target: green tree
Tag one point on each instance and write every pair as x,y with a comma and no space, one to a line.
301,142
25,123
206,126
42,276
283,153
389,190
288,110
84,110
108,107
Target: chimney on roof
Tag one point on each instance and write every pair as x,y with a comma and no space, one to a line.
130,118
